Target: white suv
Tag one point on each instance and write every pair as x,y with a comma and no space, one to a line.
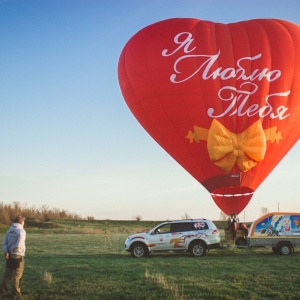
195,236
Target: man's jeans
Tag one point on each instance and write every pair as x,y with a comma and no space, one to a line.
14,270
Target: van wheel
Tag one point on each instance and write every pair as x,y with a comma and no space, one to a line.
285,249
197,248
138,250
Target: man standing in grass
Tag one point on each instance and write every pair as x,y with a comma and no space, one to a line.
14,249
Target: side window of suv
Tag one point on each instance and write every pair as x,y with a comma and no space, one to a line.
181,227
164,229
200,226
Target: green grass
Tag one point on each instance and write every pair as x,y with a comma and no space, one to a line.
72,265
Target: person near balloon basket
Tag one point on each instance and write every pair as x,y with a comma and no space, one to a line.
14,251
233,224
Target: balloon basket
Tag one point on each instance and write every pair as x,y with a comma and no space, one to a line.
229,236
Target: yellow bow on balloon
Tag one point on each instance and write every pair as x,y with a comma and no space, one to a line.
226,148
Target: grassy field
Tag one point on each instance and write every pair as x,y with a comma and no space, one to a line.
87,260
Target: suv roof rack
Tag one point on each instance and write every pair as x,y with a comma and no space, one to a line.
185,220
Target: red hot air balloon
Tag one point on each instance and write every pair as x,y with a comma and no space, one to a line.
222,99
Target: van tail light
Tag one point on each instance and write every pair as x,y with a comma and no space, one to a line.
216,231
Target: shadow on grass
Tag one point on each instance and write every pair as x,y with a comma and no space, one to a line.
212,254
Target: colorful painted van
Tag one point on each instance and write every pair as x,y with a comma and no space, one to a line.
279,230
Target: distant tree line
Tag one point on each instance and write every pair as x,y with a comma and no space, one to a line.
44,213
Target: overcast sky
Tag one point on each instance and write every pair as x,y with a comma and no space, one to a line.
69,141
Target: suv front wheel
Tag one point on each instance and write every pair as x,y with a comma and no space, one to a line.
197,248
138,250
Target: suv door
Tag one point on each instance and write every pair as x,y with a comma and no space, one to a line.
181,234
160,239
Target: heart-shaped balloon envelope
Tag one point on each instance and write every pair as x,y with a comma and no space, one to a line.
222,99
